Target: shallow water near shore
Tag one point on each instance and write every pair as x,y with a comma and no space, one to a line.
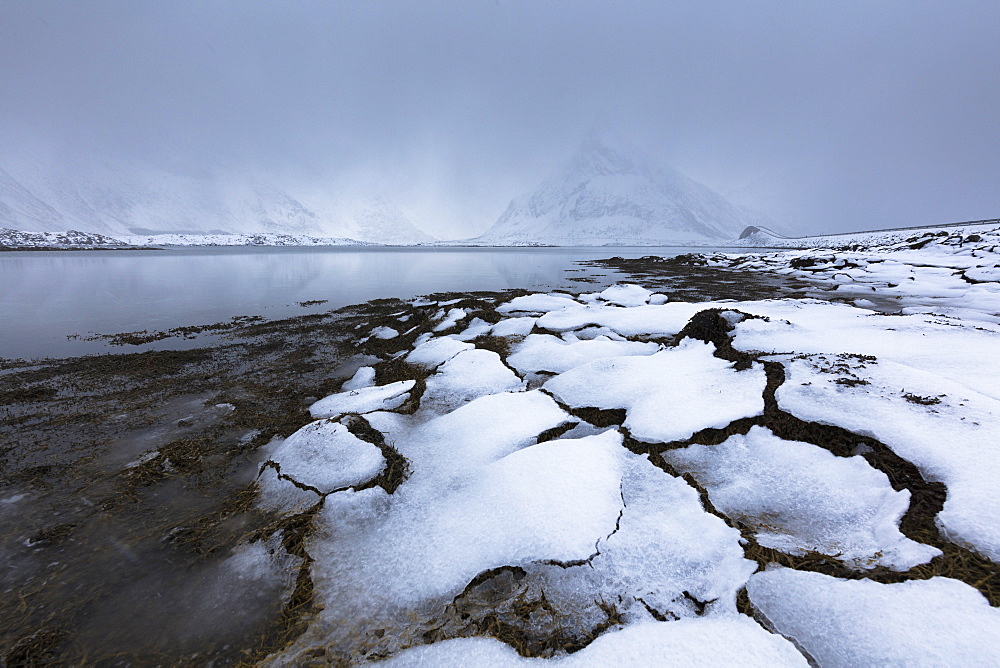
47,296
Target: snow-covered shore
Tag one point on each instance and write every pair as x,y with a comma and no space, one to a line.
68,240
261,239
905,237
74,240
623,474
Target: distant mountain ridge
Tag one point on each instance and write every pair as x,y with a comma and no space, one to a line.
70,239
609,193
121,200
76,240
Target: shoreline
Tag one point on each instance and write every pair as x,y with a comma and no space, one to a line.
167,445
165,401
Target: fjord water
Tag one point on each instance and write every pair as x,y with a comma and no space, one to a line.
46,297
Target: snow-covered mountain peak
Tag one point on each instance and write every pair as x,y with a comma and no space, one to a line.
604,151
114,197
610,193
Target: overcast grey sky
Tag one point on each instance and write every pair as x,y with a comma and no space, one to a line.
848,114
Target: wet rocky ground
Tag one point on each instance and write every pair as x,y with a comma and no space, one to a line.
129,481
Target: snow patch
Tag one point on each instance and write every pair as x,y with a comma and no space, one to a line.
363,400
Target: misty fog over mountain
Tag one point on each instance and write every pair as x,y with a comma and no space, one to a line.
429,118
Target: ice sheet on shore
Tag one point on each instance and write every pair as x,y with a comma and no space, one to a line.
659,321
626,294
436,351
319,458
936,622
363,400
450,319
325,455
513,327
668,395
946,429
481,494
378,555
667,550
717,641
584,520
474,434
965,352
363,377
282,496
537,303
800,498
468,375
544,352
384,333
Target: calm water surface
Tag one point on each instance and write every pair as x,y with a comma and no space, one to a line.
47,296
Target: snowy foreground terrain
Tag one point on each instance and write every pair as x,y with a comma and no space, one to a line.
633,478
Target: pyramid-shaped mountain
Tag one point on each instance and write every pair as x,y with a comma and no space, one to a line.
609,193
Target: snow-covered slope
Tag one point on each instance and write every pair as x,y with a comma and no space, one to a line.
256,239
888,239
71,239
610,193
43,194
74,240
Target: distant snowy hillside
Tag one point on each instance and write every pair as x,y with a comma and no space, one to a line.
765,204
257,239
74,240
609,193
112,198
17,239
903,237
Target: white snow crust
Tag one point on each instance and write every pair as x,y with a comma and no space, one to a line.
647,321
501,481
363,377
468,375
668,395
801,498
384,333
954,348
282,496
626,294
538,303
363,400
325,455
543,352
513,327
936,622
953,440
436,351
450,319
488,501
717,641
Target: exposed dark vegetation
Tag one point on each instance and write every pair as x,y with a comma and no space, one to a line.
686,278
160,447
503,604
185,332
